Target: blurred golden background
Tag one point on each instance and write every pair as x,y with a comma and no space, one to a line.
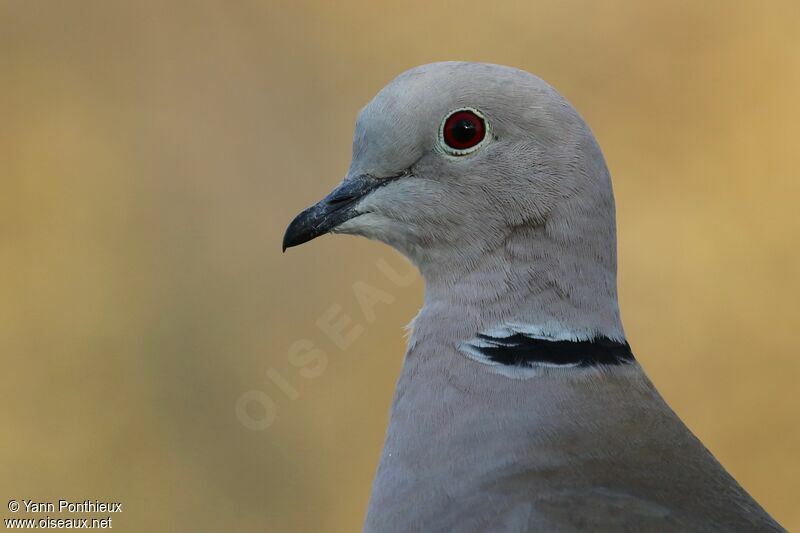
153,153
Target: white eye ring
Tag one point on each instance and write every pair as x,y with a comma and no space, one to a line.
452,131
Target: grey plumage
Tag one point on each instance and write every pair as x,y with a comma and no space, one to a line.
518,235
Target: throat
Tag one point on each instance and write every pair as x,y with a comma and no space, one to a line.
535,301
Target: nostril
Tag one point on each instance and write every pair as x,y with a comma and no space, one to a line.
339,199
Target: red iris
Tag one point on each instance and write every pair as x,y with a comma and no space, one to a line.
463,130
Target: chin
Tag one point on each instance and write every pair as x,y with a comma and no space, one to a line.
377,227
372,226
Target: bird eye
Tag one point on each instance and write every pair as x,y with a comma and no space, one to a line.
462,131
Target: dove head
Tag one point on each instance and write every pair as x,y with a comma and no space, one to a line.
467,167
451,159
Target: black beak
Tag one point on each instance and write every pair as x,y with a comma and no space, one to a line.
333,210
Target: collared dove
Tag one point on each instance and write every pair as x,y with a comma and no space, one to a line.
520,406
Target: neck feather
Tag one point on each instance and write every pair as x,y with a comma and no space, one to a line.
556,279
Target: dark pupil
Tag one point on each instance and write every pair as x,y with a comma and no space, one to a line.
464,130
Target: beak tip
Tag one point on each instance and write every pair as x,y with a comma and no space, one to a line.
297,233
287,243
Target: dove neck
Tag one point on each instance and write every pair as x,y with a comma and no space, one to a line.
535,276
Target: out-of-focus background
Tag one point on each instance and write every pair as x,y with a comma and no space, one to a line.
153,152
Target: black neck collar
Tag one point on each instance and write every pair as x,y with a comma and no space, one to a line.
525,351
